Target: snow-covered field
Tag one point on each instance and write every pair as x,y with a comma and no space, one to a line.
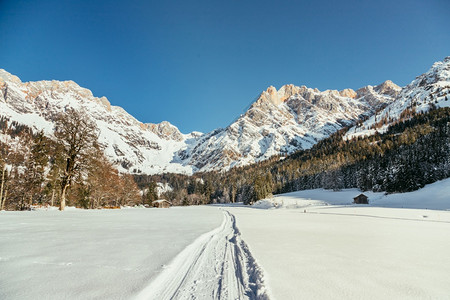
309,244
93,254
350,252
316,244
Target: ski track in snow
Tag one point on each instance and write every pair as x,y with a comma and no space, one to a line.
217,265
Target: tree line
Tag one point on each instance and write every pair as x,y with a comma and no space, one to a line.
71,168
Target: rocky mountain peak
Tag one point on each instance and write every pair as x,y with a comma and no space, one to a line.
269,96
388,88
289,90
166,131
6,76
349,93
271,90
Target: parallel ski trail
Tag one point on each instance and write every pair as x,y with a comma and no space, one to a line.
217,265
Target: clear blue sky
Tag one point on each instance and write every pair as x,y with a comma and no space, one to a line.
198,64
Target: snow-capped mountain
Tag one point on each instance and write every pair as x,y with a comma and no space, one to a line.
428,90
279,122
133,146
284,121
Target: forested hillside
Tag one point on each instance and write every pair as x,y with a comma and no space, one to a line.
413,152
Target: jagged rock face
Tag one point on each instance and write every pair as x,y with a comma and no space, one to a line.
349,93
372,95
165,130
388,88
284,121
430,89
131,145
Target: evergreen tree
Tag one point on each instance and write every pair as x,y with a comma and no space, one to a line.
151,194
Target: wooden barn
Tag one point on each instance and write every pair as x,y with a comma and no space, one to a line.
161,203
361,199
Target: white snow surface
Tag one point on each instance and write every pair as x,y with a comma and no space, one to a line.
333,252
93,254
317,245
218,265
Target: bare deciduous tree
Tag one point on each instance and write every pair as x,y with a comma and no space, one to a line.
78,136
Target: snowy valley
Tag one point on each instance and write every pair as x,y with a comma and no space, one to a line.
246,243
224,150
312,244
284,246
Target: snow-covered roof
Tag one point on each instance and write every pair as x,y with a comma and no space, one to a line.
161,201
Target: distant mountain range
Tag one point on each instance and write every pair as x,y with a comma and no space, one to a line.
279,122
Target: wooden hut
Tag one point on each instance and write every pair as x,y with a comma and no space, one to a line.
161,203
361,199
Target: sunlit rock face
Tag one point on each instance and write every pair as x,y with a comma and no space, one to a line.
283,121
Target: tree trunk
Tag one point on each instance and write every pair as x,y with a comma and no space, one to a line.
2,186
96,202
4,200
53,197
62,204
233,194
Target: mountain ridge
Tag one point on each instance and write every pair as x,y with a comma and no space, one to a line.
283,121
131,145
426,91
278,122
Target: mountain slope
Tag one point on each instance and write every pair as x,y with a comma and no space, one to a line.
284,121
427,91
133,146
